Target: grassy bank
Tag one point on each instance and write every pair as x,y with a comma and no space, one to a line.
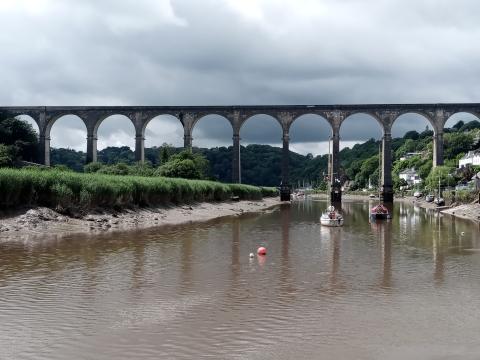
65,191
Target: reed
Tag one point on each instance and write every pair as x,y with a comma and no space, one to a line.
69,191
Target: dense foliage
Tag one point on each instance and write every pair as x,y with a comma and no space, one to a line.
67,190
19,141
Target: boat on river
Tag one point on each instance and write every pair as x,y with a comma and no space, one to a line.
331,218
298,195
380,212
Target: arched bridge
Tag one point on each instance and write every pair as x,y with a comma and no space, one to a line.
386,114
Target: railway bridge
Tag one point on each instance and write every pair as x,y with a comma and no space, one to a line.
386,114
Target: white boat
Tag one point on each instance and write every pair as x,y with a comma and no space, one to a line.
417,194
298,195
331,218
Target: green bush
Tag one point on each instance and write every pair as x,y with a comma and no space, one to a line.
185,165
461,196
92,167
6,156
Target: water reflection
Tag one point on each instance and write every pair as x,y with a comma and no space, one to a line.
438,252
186,275
335,284
383,231
286,280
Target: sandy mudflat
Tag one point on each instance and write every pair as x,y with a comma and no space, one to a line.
465,211
43,222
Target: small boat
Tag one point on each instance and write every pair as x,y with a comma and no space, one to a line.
439,201
298,195
372,196
331,218
380,212
429,198
417,194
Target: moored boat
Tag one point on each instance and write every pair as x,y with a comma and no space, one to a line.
331,218
380,212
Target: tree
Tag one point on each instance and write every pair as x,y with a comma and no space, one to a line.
113,155
6,156
185,165
414,135
165,153
117,169
93,167
458,125
472,125
75,160
439,173
20,137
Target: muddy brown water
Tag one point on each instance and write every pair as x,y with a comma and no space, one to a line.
407,288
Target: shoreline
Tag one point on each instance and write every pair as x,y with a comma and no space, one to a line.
43,223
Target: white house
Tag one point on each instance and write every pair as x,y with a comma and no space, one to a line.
410,176
471,158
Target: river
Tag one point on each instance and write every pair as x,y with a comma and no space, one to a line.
406,288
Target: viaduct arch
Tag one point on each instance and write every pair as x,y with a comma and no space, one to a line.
386,114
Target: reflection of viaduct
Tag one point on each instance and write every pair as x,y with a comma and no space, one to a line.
386,114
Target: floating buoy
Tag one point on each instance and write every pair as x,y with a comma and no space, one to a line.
262,251
251,255
462,233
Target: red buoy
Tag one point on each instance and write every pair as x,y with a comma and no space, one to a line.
262,251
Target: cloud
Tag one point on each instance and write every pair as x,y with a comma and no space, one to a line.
160,52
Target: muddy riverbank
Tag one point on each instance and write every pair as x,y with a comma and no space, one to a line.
43,223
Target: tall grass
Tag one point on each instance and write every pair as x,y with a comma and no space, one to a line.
69,191
461,196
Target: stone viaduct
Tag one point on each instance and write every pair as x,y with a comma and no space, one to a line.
386,114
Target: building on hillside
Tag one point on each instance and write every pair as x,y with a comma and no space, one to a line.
410,176
472,158
410,155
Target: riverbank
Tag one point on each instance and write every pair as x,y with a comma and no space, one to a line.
44,223
465,211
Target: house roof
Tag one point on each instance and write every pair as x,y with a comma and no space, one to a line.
471,154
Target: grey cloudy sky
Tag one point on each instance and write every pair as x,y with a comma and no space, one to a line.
186,52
